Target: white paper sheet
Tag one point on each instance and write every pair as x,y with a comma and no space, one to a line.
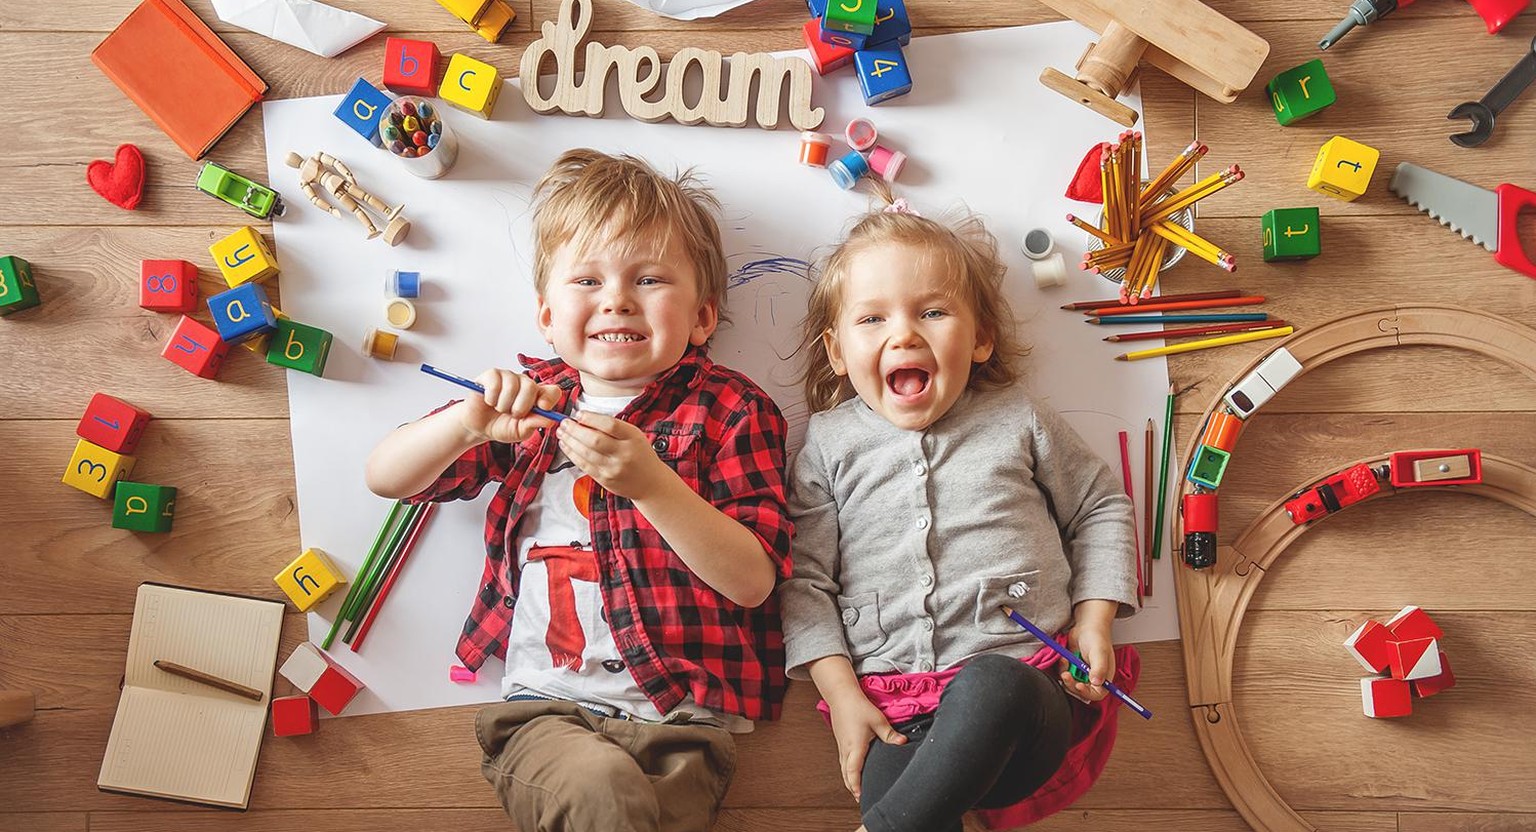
689,9
312,26
978,128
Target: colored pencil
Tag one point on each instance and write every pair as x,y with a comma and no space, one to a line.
466,383
395,569
1096,304
1159,305
1162,476
1220,318
373,579
373,552
1146,498
1195,331
1125,476
1073,660
209,679
1219,341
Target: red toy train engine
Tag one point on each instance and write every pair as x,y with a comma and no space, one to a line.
1345,488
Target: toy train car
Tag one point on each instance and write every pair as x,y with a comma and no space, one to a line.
1420,468
1343,489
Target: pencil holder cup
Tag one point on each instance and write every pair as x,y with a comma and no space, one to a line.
1184,217
414,131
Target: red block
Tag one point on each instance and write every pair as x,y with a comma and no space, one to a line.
1384,698
1414,659
1434,684
167,285
335,688
112,423
1371,646
293,716
196,347
824,56
410,66
1413,623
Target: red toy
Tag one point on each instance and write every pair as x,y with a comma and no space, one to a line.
120,181
1417,658
321,677
1199,510
113,424
167,286
1434,684
1343,489
1384,698
410,66
825,57
196,348
294,716
1087,183
1411,623
1413,468
1371,645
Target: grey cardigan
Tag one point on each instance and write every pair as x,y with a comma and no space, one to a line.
906,543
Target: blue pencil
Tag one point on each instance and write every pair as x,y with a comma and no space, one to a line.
464,382
1074,660
1218,318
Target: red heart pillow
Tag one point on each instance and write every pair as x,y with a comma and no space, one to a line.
121,181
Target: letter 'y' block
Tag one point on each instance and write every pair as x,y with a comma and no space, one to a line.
321,677
243,256
309,579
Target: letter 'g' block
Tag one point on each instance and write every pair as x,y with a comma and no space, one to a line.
95,470
243,256
242,313
361,108
1292,234
883,73
1300,92
410,66
141,507
300,347
1343,168
196,347
309,579
113,423
17,289
472,86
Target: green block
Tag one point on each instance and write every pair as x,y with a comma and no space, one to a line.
856,16
299,347
1300,92
17,291
1292,234
141,507
1209,466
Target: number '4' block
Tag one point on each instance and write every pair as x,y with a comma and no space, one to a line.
17,289
321,677
824,56
410,66
113,424
472,86
196,347
94,469
883,74
309,579
300,347
850,16
1292,234
361,108
1300,92
1343,168
141,507
243,256
167,286
294,716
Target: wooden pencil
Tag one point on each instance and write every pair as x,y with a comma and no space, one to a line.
1195,331
1162,474
1146,496
1196,318
1158,305
352,590
1125,476
209,679
1095,304
395,568
1208,343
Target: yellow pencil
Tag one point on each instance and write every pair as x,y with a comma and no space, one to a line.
1221,341
1195,193
1193,243
1091,229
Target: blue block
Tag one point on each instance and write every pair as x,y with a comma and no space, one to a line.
818,8
242,313
882,73
847,40
891,25
361,108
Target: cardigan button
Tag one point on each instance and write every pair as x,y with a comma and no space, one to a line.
659,446
850,617
1018,590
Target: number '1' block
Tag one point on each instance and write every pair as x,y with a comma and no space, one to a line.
309,579
17,289
141,507
1292,234
300,347
95,470
243,256
1300,92
113,424
883,74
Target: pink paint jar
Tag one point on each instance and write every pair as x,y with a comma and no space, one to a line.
887,163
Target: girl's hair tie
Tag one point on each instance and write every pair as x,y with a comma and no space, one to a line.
900,206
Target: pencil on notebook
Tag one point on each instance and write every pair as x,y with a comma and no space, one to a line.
1195,331
1220,341
209,679
1108,302
1159,305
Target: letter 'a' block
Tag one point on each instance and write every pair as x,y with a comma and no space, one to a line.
95,470
472,86
294,716
410,66
1343,168
883,73
17,289
825,57
300,347
113,423
309,579
1292,234
242,313
361,108
243,256
1300,91
141,507
196,347
321,677
167,286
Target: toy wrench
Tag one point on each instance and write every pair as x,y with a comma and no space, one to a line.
1488,218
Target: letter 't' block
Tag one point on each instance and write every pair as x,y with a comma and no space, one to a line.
1292,234
294,716
18,290
1300,92
472,86
824,56
856,16
167,286
410,66
883,74
113,424
243,256
1343,168
95,470
309,579
142,507
242,313
196,347
300,347
892,25
321,677
361,108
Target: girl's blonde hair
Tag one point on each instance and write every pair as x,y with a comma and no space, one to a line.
962,248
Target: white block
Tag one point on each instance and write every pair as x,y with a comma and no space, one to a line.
304,666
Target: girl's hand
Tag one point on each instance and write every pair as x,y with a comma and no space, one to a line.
1093,642
505,412
615,454
855,722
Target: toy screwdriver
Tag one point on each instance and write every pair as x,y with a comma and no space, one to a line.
1360,13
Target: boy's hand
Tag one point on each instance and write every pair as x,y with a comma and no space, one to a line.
505,412
1092,640
614,453
855,722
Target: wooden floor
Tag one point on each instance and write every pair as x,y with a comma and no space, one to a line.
67,579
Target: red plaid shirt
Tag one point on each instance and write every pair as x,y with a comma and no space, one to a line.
724,437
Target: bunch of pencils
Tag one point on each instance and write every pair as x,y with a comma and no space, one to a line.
1138,227
391,547
1215,329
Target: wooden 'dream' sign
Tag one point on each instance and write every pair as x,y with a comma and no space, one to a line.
639,72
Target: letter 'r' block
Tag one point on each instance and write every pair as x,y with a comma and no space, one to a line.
1343,168
300,347
141,507
1292,234
95,470
1300,92
361,108
472,86
196,347
113,423
309,579
410,66
883,73
243,256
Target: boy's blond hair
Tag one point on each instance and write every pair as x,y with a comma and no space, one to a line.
589,198
963,249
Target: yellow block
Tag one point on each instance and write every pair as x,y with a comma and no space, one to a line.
310,578
96,470
469,11
243,256
1343,168
470,85
498,16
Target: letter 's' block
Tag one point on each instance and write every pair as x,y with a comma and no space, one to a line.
410,66
167,286
294,716
113,424
472,86
141,507
244,256
309,579
883,74
242,313
1300,92
1343,168
1292,234
321,677
361,108
824,56
856,16
196,347
95,470
17,289
300,347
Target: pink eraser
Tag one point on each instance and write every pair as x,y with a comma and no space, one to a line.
459,673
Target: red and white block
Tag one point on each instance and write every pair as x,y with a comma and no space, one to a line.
1413,623
1385,697
1415,659
1434,684
1371,645
321,677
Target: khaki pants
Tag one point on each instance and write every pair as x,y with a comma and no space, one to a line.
558,767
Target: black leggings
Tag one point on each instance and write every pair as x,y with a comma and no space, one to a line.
1000,732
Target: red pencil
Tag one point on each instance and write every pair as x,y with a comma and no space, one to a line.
1157,305
389,579
1125,474
1192,331
1097,304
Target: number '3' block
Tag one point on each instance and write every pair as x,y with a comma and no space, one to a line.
95,470
167,285
113,424
243,256
309,579
141,507
883,74
196,347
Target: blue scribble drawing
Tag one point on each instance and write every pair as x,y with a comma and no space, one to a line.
753,269
767,298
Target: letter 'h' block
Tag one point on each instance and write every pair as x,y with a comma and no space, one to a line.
472,86
309,579
410,66
1300,92
1343,168
1292,234
321,677
243,256
361,108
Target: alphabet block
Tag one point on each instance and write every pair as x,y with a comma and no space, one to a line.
1384,698
196,347
309,579
95,470
470,85
242,313
243,256
167,286
498,16
300,347
824,56
17,289
817,8
1292,234
1300,91
850,16
892,25
113,424
361,108
141,507
882,73
321,677
835,37
1208,466
1343,168
294,716
410,66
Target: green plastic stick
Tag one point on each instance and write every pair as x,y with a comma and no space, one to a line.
1162,478
373,551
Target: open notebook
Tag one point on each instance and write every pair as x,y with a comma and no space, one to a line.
180,739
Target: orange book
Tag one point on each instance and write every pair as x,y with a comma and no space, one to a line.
179,73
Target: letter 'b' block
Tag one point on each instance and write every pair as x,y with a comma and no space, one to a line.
1292,234
361,108
309,579
472,86
1300,92
141,507
243,256
300,347
410,66
1343,168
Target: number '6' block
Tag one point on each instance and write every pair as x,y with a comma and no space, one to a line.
113,424
142,507
196,347
309,579
882,73
94,469
300,347
167,286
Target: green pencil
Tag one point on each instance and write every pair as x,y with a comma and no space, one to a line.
1162,477
373,552
396,549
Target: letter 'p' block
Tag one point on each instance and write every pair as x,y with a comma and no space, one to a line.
361,108
243,256
410,66
470,85
309,579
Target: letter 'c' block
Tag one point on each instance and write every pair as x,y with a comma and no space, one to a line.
309,579
472,86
